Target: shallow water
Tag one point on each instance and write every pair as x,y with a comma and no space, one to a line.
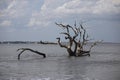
104,63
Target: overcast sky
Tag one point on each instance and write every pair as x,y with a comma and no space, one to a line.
34,20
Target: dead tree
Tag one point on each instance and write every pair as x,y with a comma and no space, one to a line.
78,39
28,49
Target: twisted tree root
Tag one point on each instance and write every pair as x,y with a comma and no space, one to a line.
28,49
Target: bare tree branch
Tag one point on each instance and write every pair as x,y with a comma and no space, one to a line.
94,44
79,38
61,45
28,49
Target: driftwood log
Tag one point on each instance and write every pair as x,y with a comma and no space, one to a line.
28,49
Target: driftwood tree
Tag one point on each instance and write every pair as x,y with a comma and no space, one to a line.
78,39
28,49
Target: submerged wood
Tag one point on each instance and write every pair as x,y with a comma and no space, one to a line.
83,53
79,38
28,49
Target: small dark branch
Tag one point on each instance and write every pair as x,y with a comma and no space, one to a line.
64,26
94,44
67,29
75,36
61,25
80,35
81,26
75,24
68,37
75,31
83,53
84,34
20,53
28,49
76,45
65,34
61,45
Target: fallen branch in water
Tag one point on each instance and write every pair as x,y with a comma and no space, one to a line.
28,49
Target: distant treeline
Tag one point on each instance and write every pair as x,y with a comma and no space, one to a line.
26,42
17,42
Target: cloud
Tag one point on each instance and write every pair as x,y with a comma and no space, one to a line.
14,9
4,4
38,22
46,14
57,9
5,23
107,6
73,7
50,11
61,9
89,7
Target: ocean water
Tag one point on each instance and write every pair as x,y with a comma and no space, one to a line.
103,64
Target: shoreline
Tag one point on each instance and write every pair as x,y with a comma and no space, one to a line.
45,42
27,42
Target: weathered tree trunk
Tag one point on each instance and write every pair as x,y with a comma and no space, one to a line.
79,39
28,49
71,53
69,50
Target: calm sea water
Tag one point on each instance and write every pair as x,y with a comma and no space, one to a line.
104,63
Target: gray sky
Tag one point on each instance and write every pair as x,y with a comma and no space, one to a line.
33,20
